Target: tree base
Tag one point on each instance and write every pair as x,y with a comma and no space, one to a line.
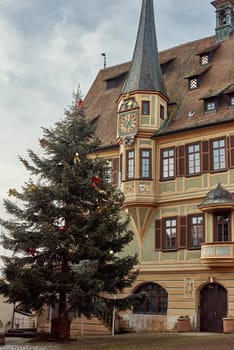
60,328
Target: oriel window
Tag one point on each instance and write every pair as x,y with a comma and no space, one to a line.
145,107
145,165
130,164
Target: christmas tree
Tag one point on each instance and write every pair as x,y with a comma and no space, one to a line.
66,228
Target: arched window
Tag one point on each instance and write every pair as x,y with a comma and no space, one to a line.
155,303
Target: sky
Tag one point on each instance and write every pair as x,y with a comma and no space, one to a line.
50,47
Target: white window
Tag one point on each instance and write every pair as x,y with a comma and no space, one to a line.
194,161
219,154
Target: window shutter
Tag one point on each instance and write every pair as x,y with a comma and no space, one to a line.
231,151
180,161
161,164
183,232
158,234
115,171
205,157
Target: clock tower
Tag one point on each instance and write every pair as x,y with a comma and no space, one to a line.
224,18
142,110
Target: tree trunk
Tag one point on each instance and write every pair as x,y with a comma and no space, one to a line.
60,327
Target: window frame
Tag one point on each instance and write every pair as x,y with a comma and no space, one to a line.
145,107
162,112
208,102
155,304
149,165
216,229
172,226
163,165
196,226
193,160
130,164
218,155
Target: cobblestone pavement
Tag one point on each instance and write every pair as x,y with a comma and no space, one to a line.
137,341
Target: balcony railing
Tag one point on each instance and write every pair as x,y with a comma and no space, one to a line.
217,253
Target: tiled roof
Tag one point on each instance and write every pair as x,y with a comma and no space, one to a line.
180,62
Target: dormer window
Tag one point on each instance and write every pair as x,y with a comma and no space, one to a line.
145,107
193,83
231,100
204,59
210,105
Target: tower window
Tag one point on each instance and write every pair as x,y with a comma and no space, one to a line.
162,112
193,83
222,18
145,165
130,164
145,108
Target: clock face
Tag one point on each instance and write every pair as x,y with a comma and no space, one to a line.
128,123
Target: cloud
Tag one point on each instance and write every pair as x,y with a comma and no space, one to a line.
48,47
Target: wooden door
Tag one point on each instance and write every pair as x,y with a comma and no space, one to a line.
213,307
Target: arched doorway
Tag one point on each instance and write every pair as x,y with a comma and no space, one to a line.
213,307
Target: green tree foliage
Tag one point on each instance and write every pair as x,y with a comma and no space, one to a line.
66,229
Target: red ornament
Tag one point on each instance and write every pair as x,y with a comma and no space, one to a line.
95,181
42,142
31,251
79,103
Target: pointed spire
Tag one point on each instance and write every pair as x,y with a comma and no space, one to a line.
145,73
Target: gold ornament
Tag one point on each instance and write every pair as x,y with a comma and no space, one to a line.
76,158
12,192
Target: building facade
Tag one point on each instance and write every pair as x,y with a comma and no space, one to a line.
166,122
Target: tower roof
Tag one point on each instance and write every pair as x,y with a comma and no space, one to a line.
145,73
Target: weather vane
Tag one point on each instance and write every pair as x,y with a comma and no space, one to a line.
104,55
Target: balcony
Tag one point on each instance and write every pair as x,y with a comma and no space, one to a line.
217,253
139,191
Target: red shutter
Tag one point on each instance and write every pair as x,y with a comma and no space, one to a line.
205,157
182,232
115,171
180,153
158,234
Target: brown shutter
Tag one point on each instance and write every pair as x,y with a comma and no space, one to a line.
205,157
180,161
182,232
161,164
115,171
158,234
231,151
